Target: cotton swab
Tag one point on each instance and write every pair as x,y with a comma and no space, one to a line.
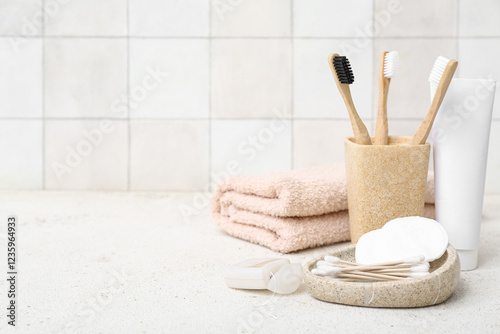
334,259
333,266
332,272
423,267
408,261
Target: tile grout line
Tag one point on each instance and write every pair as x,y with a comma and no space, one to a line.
209,186
129,137
374,76
292,88
496,119
57,119
457,33
249,37
44,150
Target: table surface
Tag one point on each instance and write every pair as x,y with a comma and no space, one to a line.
117,262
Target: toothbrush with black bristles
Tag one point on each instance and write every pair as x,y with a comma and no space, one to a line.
388,69
342,73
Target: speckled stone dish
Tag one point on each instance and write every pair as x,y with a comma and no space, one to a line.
384,182
429,290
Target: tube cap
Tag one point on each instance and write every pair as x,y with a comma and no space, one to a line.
468,258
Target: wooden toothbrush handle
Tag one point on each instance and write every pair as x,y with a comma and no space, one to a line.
358,127
382,127
420,137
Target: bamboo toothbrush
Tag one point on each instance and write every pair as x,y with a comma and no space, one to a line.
388,69
442,73
342,73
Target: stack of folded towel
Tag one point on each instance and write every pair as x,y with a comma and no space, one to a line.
289,211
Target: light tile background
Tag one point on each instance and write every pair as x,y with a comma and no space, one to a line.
153,95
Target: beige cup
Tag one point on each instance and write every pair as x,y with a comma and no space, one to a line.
384,182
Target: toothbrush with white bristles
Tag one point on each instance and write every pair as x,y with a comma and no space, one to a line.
441,74
389,64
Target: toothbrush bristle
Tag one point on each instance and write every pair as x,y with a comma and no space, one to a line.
391,64
438,69
343,69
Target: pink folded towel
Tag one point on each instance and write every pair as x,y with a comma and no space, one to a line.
290,211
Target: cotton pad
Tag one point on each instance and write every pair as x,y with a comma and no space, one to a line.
403,238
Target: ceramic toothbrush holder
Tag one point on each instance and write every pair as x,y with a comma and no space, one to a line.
384,182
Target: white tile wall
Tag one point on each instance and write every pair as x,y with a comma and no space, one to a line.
330,18
196,90
423,18
86,154
315,92
85,77
162,18
479,57
250,146
168,78
256,18
320,142
250,77
479,19
169,155
399,127
21,152
21,18
21,93
86,18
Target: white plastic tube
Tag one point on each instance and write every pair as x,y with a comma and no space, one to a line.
460,138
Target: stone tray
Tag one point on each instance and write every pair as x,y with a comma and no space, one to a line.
429,290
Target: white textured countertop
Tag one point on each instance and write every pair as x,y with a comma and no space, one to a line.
131,263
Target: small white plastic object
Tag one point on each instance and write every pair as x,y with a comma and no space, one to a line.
275,274
403,238
287,280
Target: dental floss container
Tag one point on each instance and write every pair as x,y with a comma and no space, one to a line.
253,274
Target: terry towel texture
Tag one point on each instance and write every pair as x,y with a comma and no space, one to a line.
290,211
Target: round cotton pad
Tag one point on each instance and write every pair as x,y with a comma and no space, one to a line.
403,238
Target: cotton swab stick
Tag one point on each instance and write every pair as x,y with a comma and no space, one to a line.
334,259
335,271
424,267
388,271
369,277
333,266
332,272
408,261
